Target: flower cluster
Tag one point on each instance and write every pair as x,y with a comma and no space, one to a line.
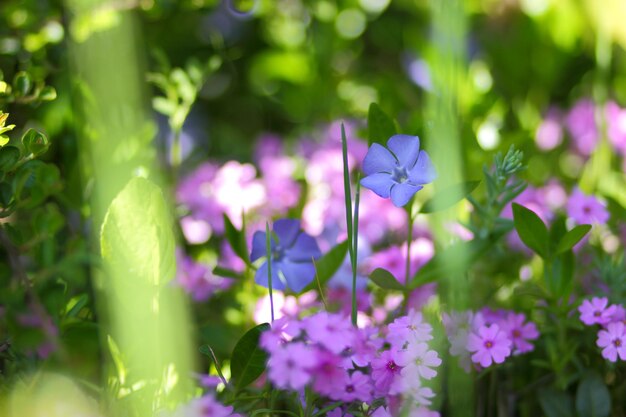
488,337
612,318
206,406
340,362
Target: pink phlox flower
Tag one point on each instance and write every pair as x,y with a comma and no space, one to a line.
381,412
492,316
409,328
386,373
422,411
418,360
357,386
619,314
365,346
489,345
586,208
282,331
519,332
328,372
458,326
613,341
596,311
332,331
419,394
289,366
206,406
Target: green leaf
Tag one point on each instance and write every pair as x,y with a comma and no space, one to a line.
22,83
555,403
6,194
592,396
76,304
531,229
236,239
116,354
48,93
137,236
327,265
226,273
35,142
385,280
248,360
381,127
449,196
572,237
9,155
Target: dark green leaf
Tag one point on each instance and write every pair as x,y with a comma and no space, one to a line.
385,280
449,196
22,83
6,194
381,127
76,304
9,155
531,229
35,142
592,396
556,403
248,360
327,265
226,273
236,239
572,237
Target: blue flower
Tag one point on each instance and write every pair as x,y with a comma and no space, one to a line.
399,171
292,256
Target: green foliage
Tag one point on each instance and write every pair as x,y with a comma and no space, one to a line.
449,196
531,229
327,265
236,239
380,126
556,403
385,280
248,360
592,396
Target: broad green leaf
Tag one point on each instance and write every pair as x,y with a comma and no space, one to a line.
592,396
236,239
556,403
449,196
6,194
531,229
385,280
380,126
22,83
136,234
35,142
9,155
572,237
248,360
327,265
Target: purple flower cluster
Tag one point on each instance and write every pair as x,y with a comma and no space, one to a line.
612,318
344,363
197,279
488,337
206,406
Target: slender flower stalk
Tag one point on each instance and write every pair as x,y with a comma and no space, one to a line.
268,248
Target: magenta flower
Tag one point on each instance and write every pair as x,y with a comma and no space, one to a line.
549,134
581,125
398,171
386,372
197,279
613,341
206,406
289,366
333,331
519,332
489,345
407,329
292,256
417,361
586,209
357,386
328,373
282,331
596,311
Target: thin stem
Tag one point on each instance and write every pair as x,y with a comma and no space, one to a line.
407,276
355,242
319,285
268,248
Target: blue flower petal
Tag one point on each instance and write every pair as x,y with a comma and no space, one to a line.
298,275
378,159
402,193
406,148
258,246
303,250
424,171
380,183
287,230
261,276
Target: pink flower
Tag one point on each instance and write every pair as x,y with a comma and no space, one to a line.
328,373
332,331
596,311
410,328
282,331
581,124
357,386
549,134
206,406
365,346
519,332
613,341
489,345
586,209
418,361
385,372
289,366
197,279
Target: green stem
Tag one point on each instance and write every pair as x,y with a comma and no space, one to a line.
407,276
268,249
355,242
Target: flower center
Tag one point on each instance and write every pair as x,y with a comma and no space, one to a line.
516,333
597,313
488,344
350,388
617,342
400,174
391,365
278,253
